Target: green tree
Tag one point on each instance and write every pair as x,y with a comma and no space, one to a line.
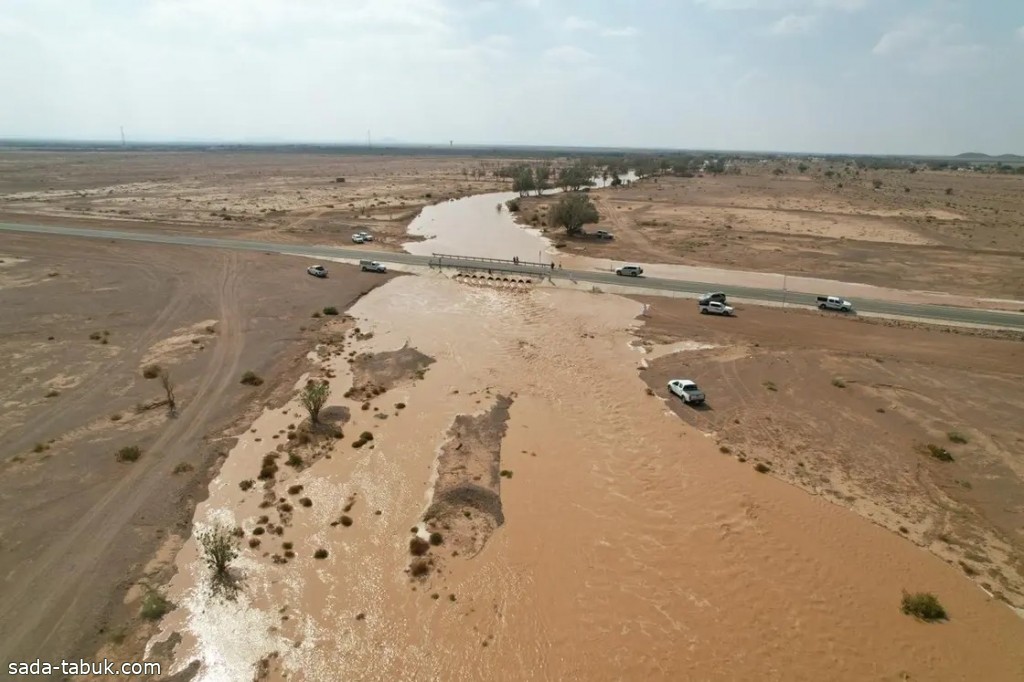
523,182
573,211
541,179
802,167
575,177
313,398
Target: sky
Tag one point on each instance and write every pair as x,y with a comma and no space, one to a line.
841,76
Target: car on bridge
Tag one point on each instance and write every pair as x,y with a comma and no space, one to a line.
317,270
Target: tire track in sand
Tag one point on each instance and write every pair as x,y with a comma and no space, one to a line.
45,594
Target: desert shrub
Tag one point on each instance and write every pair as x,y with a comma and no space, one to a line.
182,468
366,435
770,385
155,606
513,205
294,460
95,336
306,502
129,453
39,447
939,453
116,417
956,437
838,382
330,310
724,449
399,406
219,549
252,379
923,606
949,191
876,183
294,489
316,314
259,530
419,568
247,484
506,473
151,371
345,520
320,553
52,393
436,538
762,468
254,542
418,546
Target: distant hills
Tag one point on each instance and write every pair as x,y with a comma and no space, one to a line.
978,156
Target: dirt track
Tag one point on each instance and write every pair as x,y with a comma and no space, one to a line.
80,523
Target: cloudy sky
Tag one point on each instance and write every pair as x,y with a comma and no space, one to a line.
862,76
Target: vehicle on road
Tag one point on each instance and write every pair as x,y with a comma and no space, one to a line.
372,266
687,391
834,303
716,296
358,239
715,308
604,234
630,271
317,270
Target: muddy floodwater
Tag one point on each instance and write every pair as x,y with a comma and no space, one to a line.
629,548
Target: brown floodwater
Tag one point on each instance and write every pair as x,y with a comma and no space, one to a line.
631,548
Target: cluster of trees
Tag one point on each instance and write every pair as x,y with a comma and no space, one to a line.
573,211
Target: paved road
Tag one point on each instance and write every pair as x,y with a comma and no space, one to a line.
937,313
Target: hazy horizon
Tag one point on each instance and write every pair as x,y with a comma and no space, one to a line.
924,78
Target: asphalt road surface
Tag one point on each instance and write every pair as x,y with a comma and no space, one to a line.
927,312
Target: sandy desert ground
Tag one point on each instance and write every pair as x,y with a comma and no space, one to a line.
503,489
82,319
968,242
846,409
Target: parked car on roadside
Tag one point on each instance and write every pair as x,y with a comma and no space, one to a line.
604,234
358,239
687,391
367,237
317,270
630,271
715,308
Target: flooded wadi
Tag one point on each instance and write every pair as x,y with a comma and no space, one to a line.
627,546
496,495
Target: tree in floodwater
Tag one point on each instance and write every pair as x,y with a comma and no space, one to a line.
541,179
575,177
573,211
522,181
219,548
313,398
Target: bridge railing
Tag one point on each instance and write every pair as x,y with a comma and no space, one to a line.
443,260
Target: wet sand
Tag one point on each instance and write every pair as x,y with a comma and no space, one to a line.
630,547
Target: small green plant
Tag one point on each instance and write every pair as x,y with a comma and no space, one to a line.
939,453
251,378
155,606
923,606
956,437
129,453
770,385
330,310
838,382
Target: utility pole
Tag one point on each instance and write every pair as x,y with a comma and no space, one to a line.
123,144
784,291
369,145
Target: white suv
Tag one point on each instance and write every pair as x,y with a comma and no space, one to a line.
630,271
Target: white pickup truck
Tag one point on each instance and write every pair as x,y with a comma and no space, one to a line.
714,308
834,303
372,266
